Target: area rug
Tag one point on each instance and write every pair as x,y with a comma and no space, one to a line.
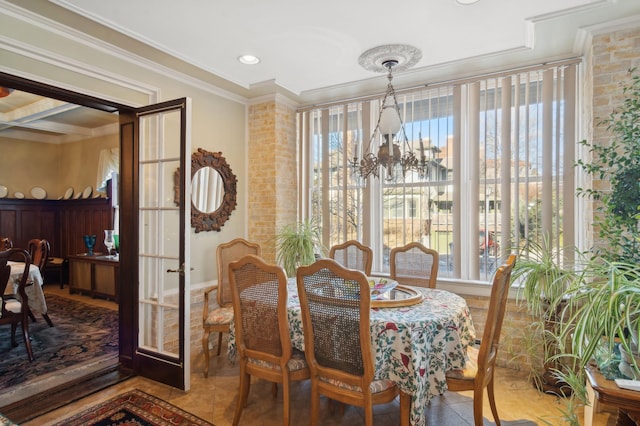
135,408
82,334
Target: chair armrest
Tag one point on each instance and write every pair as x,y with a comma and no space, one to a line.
205,305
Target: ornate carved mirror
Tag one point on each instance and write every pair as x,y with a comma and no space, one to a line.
213,190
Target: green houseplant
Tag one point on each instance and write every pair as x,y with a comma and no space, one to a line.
605,316
603,312
618,162
543,277
297,245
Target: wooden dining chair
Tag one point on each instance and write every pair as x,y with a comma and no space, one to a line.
337,340
5,243
15,306
478,373
414,264
259,293
218,319
39,252
353,255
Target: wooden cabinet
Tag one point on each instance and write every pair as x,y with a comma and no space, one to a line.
94,275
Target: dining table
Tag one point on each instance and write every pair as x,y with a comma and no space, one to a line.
35,294
413,345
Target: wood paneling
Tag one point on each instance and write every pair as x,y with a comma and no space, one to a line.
61,222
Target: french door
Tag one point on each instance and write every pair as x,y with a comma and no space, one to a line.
154,241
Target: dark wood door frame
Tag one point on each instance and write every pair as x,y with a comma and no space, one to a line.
128,289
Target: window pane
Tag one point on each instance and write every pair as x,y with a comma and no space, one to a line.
491,153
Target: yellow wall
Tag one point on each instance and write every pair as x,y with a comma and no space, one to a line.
84,65
53,167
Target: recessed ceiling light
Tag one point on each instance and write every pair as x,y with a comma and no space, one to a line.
466,2
249,59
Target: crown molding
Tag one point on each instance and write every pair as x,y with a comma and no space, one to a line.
585,34
110,50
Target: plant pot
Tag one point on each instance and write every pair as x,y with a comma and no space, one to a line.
627,359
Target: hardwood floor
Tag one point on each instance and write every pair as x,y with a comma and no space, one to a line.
214,400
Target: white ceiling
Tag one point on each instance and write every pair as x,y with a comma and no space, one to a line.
309,50
310,46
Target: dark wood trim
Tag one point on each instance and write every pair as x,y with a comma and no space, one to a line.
128,306
44,402
128,233
42,89
61,222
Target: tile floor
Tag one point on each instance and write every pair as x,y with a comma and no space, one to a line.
214,399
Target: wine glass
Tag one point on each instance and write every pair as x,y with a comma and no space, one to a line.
109,242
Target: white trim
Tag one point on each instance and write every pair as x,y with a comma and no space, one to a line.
585,34
87,40
571,11
275,97
66,63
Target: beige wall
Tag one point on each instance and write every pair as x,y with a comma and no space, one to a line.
218,123
218,118
25,164
53,167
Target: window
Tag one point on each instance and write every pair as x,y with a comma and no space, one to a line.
501,153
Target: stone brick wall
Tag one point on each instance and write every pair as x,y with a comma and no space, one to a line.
611,56
272,172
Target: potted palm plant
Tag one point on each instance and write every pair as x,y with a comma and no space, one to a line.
297,244
543,278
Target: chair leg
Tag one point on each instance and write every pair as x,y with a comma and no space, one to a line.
405,408
315,405
14,342
477,407
205,349
492,402
219,342
33,318
286,398
47,319
25,336
243,394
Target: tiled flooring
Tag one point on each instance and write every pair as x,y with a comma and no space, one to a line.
214,399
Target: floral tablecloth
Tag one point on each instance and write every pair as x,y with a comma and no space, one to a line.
414,345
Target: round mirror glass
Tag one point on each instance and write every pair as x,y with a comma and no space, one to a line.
207,190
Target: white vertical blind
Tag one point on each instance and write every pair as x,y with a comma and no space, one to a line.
500,150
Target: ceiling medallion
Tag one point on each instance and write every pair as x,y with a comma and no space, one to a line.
395,154
375,58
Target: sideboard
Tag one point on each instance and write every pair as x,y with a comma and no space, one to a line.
61,222
94,275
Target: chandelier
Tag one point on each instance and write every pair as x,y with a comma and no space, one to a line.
395,154
5,91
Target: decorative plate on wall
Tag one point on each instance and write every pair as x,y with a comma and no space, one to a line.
38,193
19,195
68,193
78,195
3,191
87,192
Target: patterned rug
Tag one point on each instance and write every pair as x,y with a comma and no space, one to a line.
82,333
134,408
